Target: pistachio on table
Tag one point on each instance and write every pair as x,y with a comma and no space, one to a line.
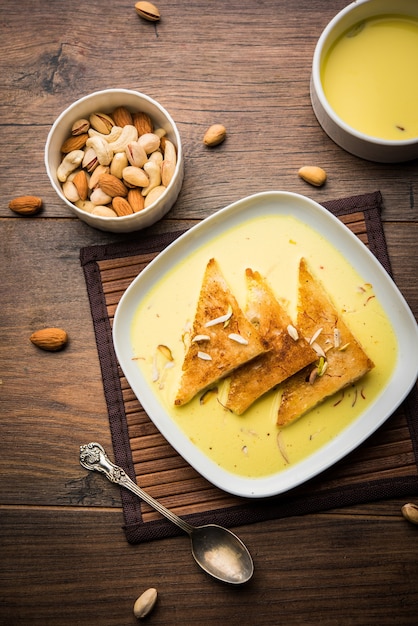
147,11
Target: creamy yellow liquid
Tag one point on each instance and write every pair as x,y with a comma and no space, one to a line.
369,77
252,445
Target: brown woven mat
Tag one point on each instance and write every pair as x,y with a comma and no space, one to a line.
386,465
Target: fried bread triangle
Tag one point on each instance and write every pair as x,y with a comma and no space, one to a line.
222,337
289,352
344,363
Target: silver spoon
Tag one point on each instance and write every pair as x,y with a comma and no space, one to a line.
217,550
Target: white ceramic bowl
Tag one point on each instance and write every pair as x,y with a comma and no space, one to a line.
352,140
105,101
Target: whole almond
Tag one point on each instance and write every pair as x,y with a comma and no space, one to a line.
81,184
147,11
112,185
51,339
75,142
136,200
313,175
145,603
122,117
121,206
142,123
26,205
214,135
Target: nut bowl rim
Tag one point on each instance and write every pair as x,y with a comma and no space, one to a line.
82,107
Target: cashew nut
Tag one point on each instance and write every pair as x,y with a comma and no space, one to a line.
154,195
119,162
170,151
128,134
136,153
102,149
153,171
114,134
69,163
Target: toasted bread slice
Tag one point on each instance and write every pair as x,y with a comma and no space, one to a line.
286,355
222,337
344,363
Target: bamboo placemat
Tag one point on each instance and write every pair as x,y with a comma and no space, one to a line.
386,465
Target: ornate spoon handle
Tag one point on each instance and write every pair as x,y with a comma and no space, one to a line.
93,457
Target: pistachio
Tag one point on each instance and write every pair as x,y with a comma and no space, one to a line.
103,211
149,142
99,197
85,205
410,512
214,135
313,175
135,154
70,191
135,176
101,122
147,11
90,160
145,603
80,126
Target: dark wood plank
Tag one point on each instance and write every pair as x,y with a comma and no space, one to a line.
70,567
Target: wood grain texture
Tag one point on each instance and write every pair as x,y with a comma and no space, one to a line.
64,559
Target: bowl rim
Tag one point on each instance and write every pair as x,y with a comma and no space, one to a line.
65,112
319,91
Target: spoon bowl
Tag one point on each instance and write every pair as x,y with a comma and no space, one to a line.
217,550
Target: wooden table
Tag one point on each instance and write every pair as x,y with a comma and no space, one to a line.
246,65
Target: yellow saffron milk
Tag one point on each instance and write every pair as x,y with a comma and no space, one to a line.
370,79
252,445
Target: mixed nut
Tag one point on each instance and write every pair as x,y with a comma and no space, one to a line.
145,603
116,164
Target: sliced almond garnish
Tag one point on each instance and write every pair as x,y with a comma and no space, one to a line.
221,319
315,336
165,351
318,349
204,356
198,338
292,331
238,338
